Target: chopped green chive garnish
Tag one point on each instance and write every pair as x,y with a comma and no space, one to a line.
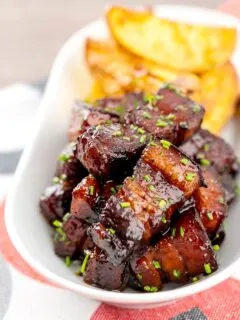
174,232
126,138
64,157
207,268
176,273
150,289
164,220
117,134
140,131
196,108
162,203
237,190
195,279
84,264
166,144
99,126
63,176
221,200
210,215
183,125
189,176
125,204
184,161
55,180
57,223
156,264
216,247
143,139
161,123
182,231
113,190
139,276
111,231
152,188
206,147
68,261
159,97
171,116
147,178
147,115
62,234
91,190
205,162
66,216
153,144
200,155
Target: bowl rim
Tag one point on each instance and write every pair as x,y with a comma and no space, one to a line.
87,290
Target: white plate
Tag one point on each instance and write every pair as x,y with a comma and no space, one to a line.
29,232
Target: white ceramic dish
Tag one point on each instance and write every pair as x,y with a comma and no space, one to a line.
29,232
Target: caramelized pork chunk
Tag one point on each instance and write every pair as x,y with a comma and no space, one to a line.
185,254
105,238
103,273
167,115
70,237
85,197
211,203
211,151
109,150
144,205
55,201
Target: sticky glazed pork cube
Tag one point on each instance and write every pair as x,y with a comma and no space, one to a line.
70,236
211,151
85,197
211,203
163,179
55,201
105,238
185,254
167,115
103,273
109,151
69,168
188,114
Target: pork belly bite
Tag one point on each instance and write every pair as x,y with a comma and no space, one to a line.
211,203
85,197
185,254
167,115
109,151
144,205
55,201
211,151
103,273
70,236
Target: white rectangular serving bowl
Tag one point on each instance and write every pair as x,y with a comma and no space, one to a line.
69,79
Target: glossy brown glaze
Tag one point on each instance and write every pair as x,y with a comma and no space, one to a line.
55,201
177,257
109,151
211,203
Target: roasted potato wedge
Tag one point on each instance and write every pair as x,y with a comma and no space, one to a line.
176,45
131,72
219,91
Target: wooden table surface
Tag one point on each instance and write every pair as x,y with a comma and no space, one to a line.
32,31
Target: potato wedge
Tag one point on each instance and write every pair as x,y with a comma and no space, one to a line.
219,88
195,48
131,72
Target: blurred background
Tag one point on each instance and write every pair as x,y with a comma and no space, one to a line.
32,31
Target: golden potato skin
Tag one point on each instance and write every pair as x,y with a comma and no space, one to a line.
219,91
172,44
